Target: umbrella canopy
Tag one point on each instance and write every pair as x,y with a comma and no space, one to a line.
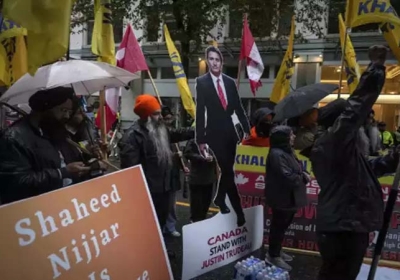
301,100
85,77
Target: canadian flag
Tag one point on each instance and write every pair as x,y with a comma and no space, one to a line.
112,104
129,57
249,50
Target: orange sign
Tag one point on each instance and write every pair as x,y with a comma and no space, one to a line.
103,229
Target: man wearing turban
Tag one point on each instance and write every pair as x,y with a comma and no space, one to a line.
30,164
147,143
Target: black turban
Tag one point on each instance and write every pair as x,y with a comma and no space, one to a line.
165,111
47,99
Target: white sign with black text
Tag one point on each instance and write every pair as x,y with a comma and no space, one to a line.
215,242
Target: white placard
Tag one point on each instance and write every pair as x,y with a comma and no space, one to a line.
382,273
215,242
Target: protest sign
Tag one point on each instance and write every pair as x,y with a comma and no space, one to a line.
250,179
102,229
215,242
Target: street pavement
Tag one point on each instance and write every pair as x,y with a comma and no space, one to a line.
304,267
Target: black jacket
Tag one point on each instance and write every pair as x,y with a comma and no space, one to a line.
351,196
29,163
136,148
217,125
202,172
176,170
285,182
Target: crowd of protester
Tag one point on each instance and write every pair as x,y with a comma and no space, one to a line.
41,153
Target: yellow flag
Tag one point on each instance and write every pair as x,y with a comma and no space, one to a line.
180,76
214,43
10,29
15,63
391,33
361,12
350,60
48,26
282,82
103,44
4,79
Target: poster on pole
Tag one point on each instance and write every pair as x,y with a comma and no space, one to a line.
101,229
250,178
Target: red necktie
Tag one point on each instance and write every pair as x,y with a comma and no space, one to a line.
221,95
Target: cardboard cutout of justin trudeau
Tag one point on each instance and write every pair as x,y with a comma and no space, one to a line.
221,124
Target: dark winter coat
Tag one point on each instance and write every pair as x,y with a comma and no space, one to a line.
351,196
202,172
29,163
176,183
285,182
137,148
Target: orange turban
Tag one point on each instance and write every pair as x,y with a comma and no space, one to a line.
146,105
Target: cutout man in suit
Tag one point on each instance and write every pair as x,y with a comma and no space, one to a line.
221,124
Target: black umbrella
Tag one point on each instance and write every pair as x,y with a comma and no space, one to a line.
301,100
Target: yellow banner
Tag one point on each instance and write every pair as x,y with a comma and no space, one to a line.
254,159
15,55
48,25
103,44
350,60
361,12
282,82
391,33
181,80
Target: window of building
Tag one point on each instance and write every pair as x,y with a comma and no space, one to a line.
285,20
193,72
118,28
336,7
231,71
265,74
235,24
170,21
153,72
167,73
152,27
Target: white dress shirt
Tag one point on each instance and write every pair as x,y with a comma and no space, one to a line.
221,83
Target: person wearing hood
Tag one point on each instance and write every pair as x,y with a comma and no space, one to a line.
262,125
350,202
285,191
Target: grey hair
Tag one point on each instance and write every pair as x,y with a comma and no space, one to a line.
158,134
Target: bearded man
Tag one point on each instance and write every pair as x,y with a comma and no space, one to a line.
147,143
30,164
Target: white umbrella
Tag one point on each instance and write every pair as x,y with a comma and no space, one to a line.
85,77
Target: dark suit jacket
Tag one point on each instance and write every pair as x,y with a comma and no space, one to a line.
219,123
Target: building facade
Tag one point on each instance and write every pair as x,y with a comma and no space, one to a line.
316,60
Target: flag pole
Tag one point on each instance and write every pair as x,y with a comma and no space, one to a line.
103,122
154,86
390,204
240,60
342,63
159,100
